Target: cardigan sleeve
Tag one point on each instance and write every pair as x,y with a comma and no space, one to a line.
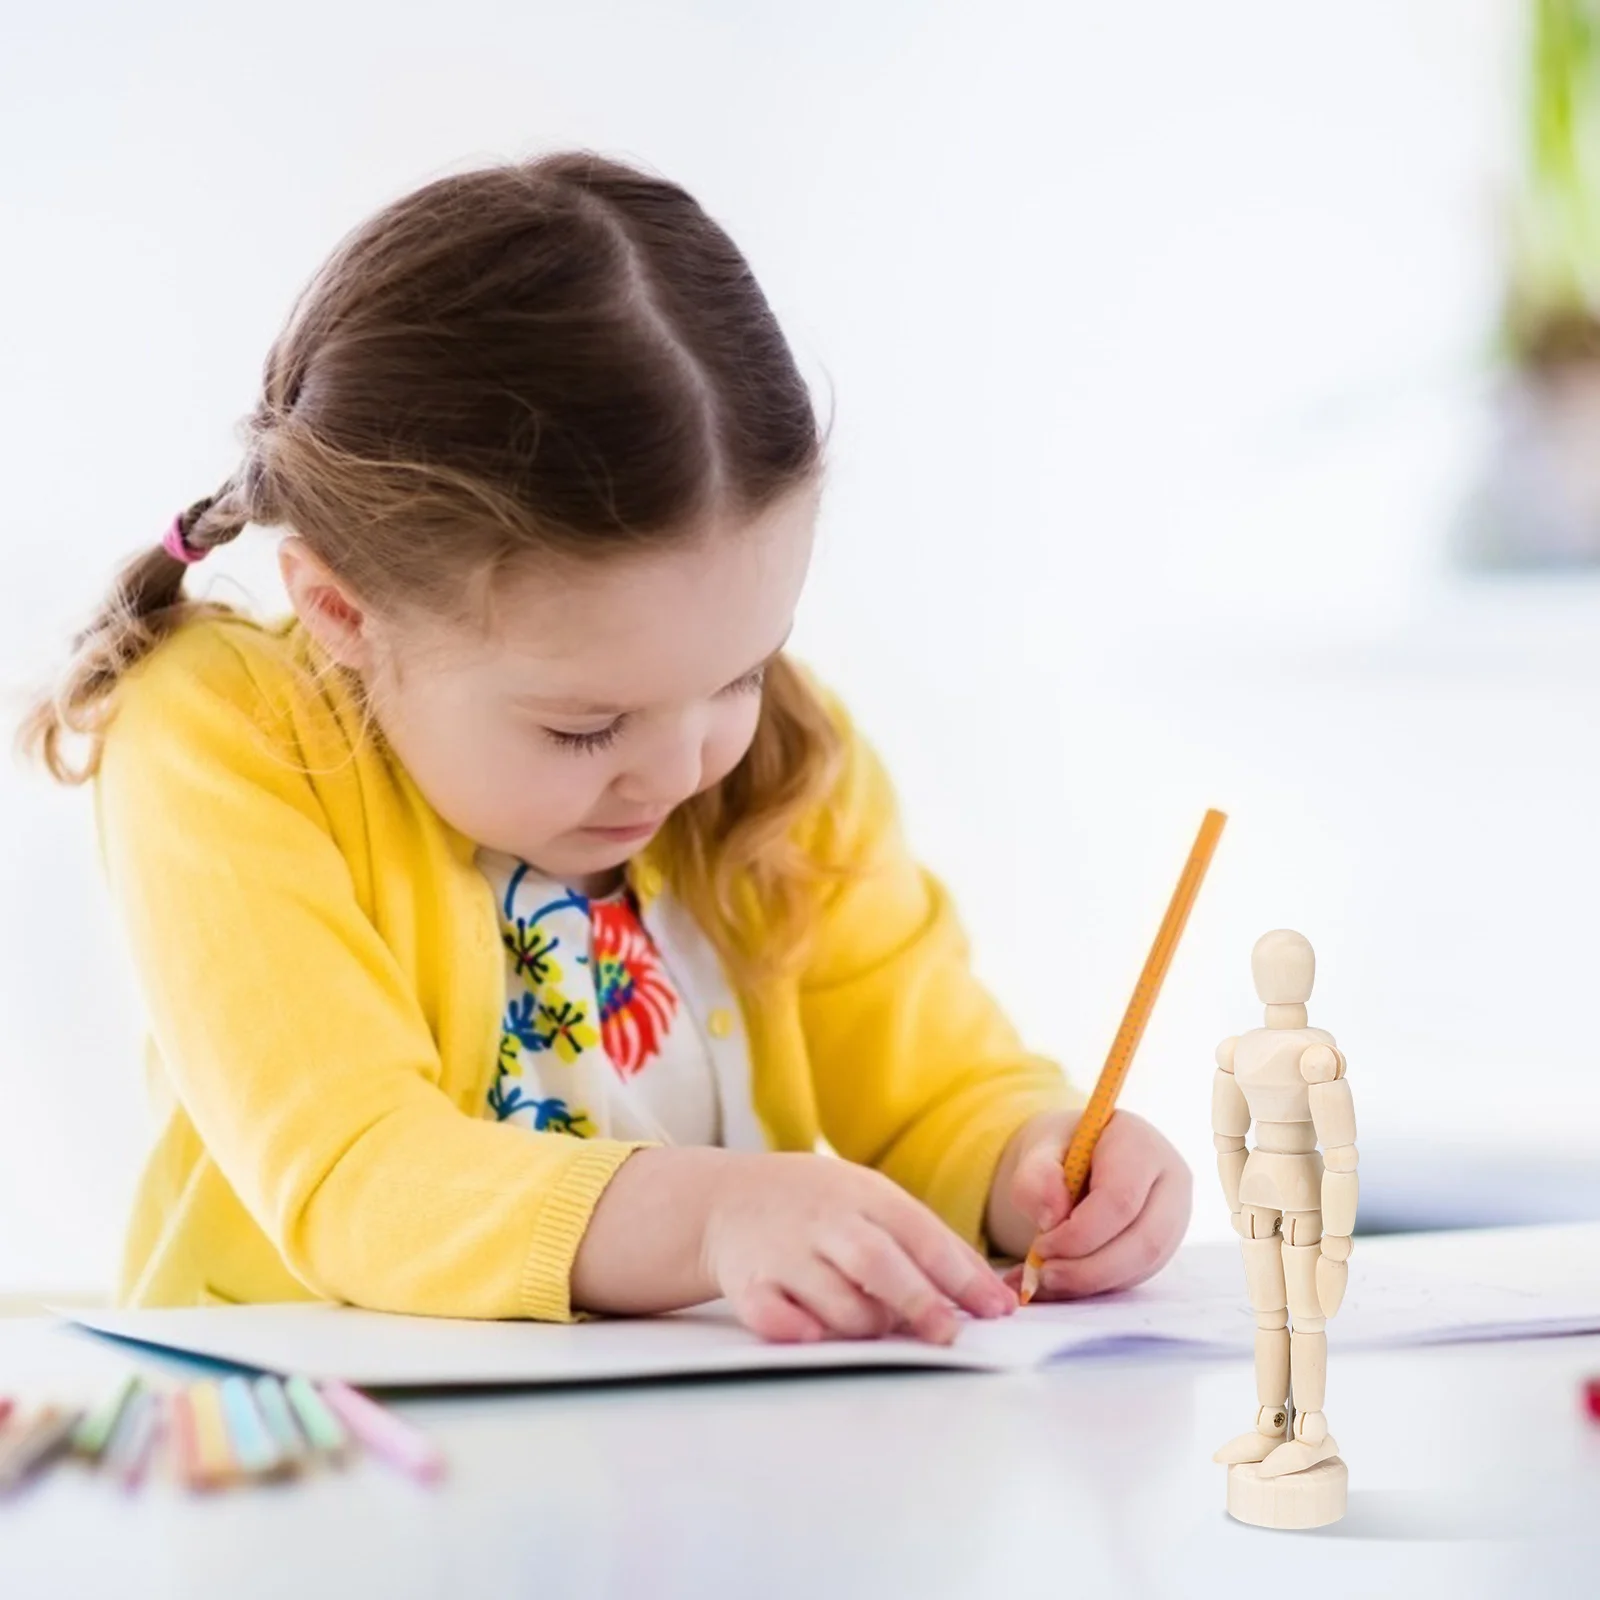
289,1033
917,1070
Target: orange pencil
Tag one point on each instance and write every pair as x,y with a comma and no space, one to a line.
1080,1151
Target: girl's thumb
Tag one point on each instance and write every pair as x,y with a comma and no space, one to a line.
1040,1190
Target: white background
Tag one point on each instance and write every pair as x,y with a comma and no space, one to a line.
1155,338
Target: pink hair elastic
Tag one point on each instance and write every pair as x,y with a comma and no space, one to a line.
179,548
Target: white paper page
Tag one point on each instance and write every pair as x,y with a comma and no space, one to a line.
380,1350
1197,1304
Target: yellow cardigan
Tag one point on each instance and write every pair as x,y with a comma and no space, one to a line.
321,964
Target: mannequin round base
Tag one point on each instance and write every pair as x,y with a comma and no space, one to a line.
1309,1499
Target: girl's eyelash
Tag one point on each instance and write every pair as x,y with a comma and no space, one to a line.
600,739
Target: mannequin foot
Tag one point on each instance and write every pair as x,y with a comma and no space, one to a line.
1270,1431
1295,1455
1250,1446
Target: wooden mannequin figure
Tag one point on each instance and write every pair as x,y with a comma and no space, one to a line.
1294,1211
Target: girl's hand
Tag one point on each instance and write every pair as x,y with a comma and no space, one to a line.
808,1247
1130,1221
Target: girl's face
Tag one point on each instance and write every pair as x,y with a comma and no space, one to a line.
604,696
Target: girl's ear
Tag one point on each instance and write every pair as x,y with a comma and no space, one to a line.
331,614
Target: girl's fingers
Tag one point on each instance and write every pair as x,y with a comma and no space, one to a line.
845,1310
1133,1254
1119,1190
770,1314
951,1265
877,1265
1039,1188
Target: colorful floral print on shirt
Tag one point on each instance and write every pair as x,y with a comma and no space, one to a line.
589,994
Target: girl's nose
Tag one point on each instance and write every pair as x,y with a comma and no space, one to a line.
667,774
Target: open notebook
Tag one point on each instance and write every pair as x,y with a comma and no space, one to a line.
1196,1305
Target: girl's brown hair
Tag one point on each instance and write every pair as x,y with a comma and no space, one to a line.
563,354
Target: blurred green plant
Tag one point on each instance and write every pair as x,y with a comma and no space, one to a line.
1551,315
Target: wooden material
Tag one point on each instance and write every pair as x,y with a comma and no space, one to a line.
1103,1099
1309,1499
1340,1191
1230,1168
1333,1114
1283,967
1294,1210
1261,1441
1229,1113
1301,1227
1332,1275
1321,1063
1300,1279
1295,1455
1272,1365
1264,1274
1286,1138
1308,1366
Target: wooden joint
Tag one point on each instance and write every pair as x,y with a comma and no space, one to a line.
1320,1063
1272,1420
1310,1426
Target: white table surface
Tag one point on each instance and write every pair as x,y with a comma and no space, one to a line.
1473,1472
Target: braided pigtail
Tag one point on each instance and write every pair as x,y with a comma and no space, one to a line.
146,603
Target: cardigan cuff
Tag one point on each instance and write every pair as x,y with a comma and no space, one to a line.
545,1293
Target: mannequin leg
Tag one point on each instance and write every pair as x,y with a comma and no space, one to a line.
1263,1271
1308,1350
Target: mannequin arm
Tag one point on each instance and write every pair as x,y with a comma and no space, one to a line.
1333,1114
1230,1122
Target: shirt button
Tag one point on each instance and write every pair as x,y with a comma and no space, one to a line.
720,1023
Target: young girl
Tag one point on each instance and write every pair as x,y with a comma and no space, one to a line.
506,913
